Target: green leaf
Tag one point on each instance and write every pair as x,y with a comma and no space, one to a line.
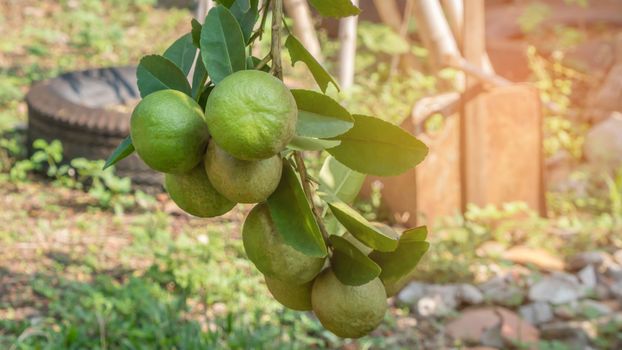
123,150
196,33
293,217
182,53
155,73
226,3
398,266
339,180
374,146
350,265
204,95
252,62
222,44
362,229
199,78
246,13
335,8
301,143
320,115
297,52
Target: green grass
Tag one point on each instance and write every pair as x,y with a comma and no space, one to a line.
171,284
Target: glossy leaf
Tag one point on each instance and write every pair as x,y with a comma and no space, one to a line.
292,215
362,229
350,265
123,150
199,78
246,12
196,33
155,73
182,53
374,146
335,8
301,143
222,44
298,53
398,266
319,115
339,180
207,90
226,3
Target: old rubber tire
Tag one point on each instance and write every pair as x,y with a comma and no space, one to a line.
72,109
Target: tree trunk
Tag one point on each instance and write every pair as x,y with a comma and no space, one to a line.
347,53
435,33
454,10
389,13
304,29
203,7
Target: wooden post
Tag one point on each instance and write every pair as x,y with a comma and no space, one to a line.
473,48
347,53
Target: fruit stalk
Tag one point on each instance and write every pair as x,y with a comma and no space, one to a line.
277,70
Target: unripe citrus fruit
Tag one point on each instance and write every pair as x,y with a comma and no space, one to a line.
295,297
168,131
251,115
242,181
193,193
348,311
266,248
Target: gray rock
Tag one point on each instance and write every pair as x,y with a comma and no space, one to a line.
447,293
434,306
430,299
537,313
502,290
566,311
558,288
469,294
617,256
614,271
411,293
581,260
593,309
603,143
587,276
576,335
601,292
616,289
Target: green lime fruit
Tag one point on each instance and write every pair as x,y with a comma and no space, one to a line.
348,311
168,131
251,115
295,297
242,181
193,193
266,248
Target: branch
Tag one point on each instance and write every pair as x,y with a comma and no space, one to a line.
277,70
275,46
302,170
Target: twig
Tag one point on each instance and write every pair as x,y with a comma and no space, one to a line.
277,70
264,61
302,170
275,46
259,32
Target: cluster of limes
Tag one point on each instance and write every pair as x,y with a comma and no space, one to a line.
231,154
